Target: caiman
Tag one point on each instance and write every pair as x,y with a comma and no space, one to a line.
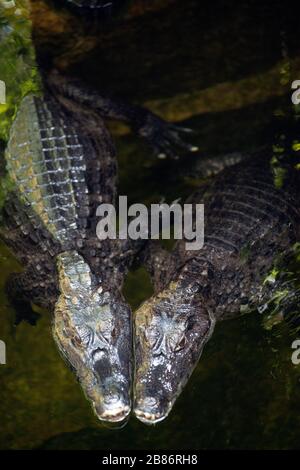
249,223
61,165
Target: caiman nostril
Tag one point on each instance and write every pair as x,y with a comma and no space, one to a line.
112,398
148,410
148,403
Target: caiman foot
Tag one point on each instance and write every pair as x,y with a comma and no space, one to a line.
165,138
18,300
24,312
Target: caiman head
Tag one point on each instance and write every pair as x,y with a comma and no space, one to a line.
171,329
92,327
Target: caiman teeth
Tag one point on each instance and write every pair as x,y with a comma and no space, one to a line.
116,414
148,418
149,411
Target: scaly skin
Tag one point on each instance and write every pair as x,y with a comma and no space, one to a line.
60,171
248,224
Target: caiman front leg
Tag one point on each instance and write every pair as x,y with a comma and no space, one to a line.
163,137
159,263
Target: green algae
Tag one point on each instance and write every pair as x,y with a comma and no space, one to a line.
17,61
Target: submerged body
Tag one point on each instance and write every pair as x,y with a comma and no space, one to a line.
249,223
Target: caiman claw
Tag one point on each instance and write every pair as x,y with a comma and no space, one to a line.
164,138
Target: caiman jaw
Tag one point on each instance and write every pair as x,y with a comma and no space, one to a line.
93,331
170,332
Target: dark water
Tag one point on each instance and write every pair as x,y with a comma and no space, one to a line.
224,70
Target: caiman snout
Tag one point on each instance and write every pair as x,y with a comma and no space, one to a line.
92,328
115,404
151,410
115,407
111,403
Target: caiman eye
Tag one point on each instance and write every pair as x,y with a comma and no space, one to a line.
76,341
86,335
113,333
181,344
82,337
151,336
